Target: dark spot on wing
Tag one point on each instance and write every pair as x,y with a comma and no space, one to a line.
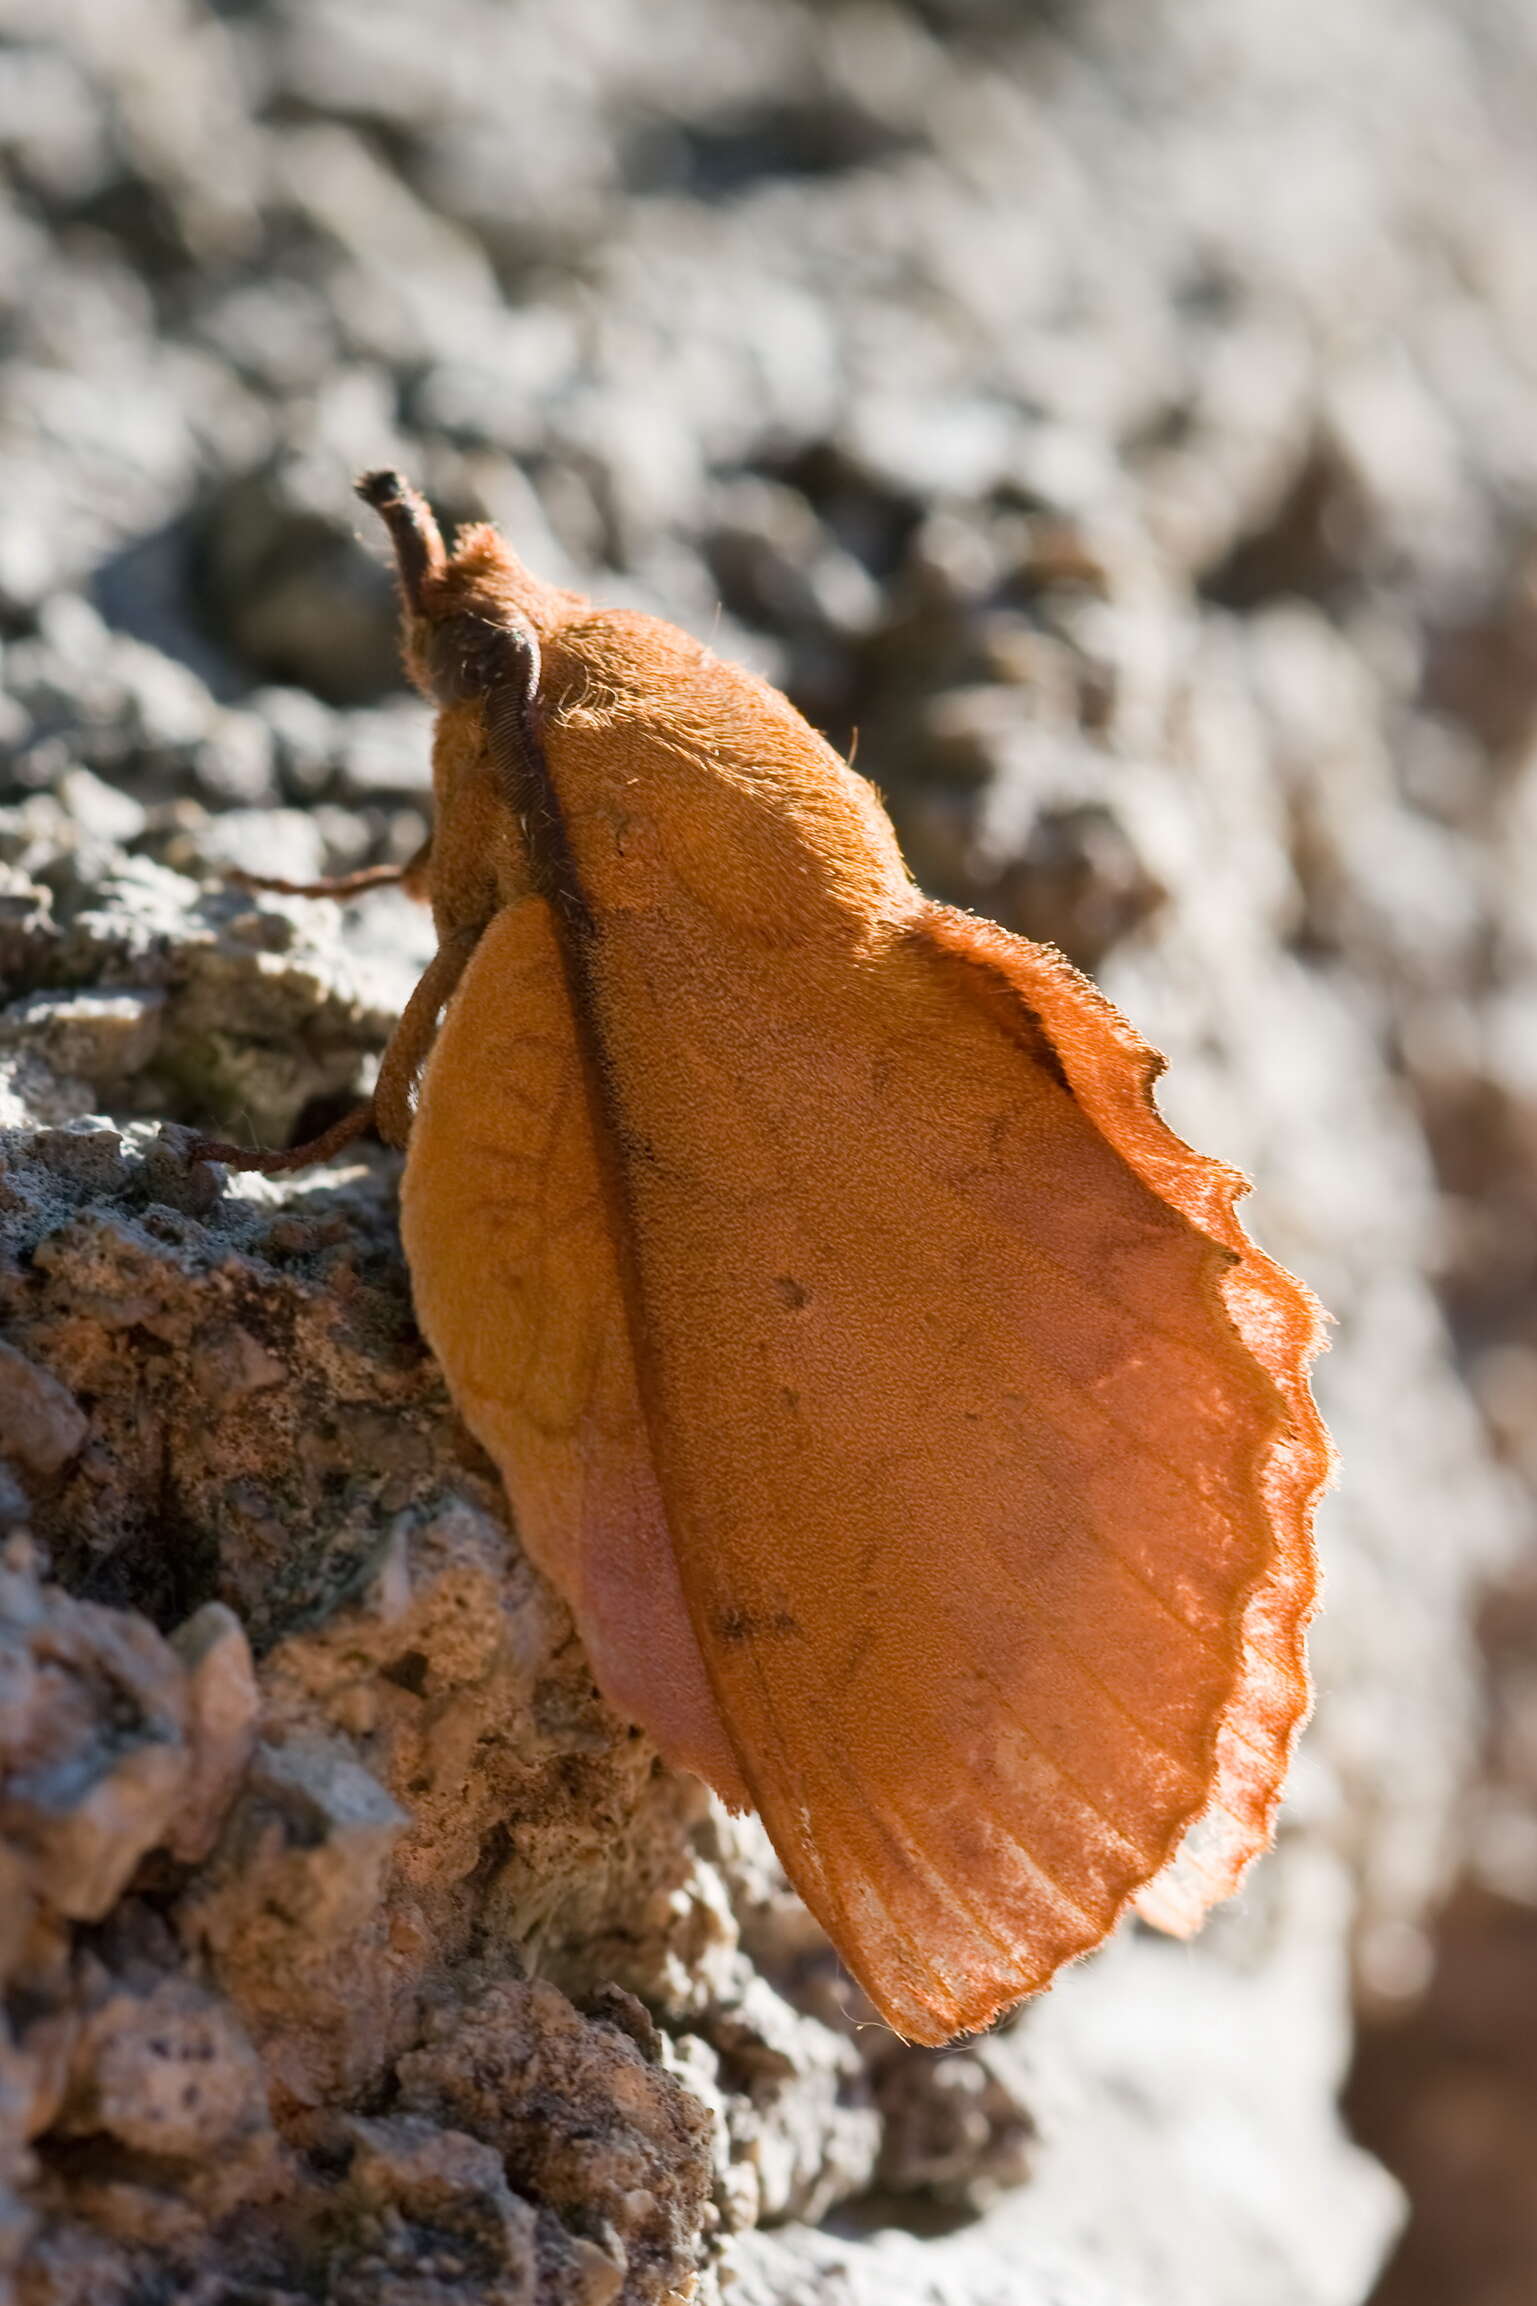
858,1650
737,1623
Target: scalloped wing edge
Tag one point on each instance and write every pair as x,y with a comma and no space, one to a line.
1112,1071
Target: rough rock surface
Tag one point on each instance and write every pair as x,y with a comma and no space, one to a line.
1121,415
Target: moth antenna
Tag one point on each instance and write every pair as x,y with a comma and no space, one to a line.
417,539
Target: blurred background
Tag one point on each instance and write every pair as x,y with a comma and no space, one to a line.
1119,417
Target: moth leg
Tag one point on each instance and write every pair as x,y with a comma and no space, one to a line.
411,876
413,1036
271,1163
389,1108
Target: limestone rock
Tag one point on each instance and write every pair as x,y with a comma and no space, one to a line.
583,2120
93,1739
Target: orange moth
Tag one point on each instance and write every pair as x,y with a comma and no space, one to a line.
924,1449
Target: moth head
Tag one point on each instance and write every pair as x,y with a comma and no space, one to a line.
462,611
